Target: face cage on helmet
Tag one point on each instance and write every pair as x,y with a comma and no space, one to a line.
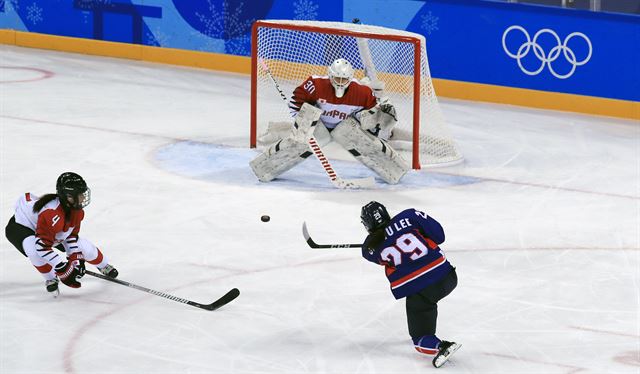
370,229
342,82
365,224
81,200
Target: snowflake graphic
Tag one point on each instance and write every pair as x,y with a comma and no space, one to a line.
34,13
238,46
305,10
227,24
430,23
13,4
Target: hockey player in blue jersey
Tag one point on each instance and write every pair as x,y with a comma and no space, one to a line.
407,246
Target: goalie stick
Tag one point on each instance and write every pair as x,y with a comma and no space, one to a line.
314,245
317,151
224,300
367,62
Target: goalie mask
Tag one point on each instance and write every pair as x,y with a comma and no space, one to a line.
374,216
340,74
73,191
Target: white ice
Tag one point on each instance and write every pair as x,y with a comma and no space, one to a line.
542,222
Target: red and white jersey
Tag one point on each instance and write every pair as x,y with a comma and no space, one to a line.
318,91
50,223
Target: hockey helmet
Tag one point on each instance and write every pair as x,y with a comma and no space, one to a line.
73,191
340,74
374,216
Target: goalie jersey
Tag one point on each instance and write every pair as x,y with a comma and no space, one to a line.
410,252
318,91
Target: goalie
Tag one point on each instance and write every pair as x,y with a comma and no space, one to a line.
348,112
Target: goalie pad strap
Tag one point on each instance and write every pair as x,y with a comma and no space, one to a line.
374,153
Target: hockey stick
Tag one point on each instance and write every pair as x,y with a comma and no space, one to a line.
314,245
367,61
317,151
224,300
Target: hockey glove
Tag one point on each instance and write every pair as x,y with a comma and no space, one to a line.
71,272
388,108
79,259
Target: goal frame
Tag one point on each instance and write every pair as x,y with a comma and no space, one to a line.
417,45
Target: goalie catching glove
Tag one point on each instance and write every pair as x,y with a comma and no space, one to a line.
72,271
379,120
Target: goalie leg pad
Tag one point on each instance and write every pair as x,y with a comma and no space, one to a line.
276,131
322,135
373,152
290,151
279,158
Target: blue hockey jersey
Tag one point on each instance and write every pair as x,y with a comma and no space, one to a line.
410,252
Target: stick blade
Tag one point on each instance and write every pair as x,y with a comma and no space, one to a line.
305,232
314,245
307,237
355,184
224,300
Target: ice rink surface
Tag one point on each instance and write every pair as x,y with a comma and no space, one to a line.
542,223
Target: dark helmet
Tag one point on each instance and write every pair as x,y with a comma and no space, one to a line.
71,185
374,216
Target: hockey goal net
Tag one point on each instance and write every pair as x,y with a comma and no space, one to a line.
295,50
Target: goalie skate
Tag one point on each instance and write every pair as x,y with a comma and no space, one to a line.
445,351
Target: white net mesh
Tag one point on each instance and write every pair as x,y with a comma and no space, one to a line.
294,50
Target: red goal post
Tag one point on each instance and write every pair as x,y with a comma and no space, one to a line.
295,50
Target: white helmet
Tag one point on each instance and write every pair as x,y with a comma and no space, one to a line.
340,75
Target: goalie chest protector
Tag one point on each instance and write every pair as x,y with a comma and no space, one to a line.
318,91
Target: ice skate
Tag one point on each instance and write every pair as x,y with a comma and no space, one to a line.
52,287
109,271
445,351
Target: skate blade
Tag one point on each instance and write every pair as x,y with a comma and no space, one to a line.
443,357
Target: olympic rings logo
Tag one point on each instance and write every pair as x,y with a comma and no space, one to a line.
554,53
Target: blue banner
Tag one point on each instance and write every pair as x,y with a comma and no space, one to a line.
534,47
491,42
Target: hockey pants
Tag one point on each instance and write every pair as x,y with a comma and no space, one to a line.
422,307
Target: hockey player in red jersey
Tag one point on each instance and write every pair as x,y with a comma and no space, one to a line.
338,95
348,112
407,245
41,225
